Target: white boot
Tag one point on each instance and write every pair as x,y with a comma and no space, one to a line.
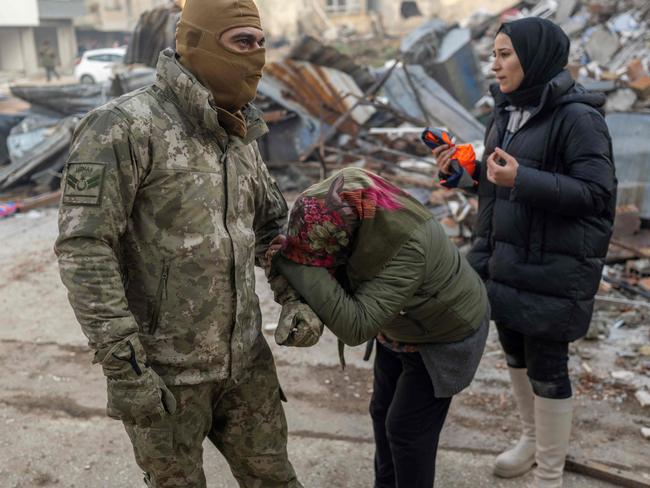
521,458
553,430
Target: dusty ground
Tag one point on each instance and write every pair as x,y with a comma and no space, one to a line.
53,431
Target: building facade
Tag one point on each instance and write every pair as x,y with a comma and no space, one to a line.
28,24
289,18
109,23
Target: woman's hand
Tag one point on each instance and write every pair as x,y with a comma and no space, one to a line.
275,246
502,175
443,158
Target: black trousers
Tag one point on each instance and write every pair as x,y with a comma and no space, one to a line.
50,72
547,362
407,419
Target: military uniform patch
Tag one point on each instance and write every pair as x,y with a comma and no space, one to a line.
84,183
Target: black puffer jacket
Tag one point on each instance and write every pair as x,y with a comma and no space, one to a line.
540,246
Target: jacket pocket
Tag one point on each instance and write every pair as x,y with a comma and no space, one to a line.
160,293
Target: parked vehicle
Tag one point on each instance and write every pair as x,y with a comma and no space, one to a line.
96,65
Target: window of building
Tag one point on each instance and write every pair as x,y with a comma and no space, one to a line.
343,6
410,9
113,4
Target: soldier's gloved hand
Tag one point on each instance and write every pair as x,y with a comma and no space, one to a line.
298,326
136,394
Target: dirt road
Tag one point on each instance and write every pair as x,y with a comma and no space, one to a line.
53,431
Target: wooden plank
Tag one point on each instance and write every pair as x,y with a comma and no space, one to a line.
604,472
332,130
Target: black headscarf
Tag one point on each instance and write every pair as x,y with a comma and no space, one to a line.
543,51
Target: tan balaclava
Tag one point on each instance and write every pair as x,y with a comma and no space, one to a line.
231,76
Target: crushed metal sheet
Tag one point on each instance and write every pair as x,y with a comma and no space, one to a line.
63,99
325,93
631,148
411,90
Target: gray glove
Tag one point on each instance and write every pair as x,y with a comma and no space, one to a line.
136,394
298,326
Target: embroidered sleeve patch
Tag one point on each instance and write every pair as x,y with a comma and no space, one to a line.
84,183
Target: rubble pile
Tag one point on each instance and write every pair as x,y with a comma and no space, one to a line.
610,45
614,356
325,110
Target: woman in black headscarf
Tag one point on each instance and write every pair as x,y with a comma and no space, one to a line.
547,192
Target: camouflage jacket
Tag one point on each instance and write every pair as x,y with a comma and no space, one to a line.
162,217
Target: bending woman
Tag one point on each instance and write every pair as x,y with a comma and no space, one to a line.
373,262
547,193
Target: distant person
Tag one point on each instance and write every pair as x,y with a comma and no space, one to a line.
547,197
371,261
49,60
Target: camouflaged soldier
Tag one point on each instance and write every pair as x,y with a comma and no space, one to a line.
166,206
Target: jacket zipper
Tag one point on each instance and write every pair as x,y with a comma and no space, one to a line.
162,289
224,162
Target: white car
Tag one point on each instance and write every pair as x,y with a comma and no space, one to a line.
96,65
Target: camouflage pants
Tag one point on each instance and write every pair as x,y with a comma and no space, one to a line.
244,420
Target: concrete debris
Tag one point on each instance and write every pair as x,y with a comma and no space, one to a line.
326,109
601,45
621,101
645,432
643,397
631,148
446,55
7,123
36,150
606,38
623,375
564,10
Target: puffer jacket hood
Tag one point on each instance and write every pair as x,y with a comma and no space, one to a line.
561,90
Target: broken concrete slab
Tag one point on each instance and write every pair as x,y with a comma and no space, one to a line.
601,45
575,24
631,145
455,67
643,397
421,45
7,123
446,55
623,375
49,149
621,101
564,10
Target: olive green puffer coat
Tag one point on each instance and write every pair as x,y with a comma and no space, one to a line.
427,293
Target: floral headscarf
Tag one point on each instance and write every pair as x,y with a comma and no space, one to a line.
353,217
